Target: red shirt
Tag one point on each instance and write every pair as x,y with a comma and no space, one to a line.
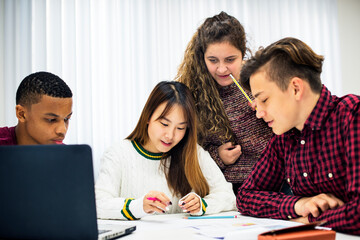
7,136
323,158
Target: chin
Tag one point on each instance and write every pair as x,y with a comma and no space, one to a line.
277,131
224,83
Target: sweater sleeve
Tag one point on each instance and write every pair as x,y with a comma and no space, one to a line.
221,196
214,153
109,204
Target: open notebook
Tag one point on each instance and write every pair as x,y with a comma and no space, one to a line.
47,192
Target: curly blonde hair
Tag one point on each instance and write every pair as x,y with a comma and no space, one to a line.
193,72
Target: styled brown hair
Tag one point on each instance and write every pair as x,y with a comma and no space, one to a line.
283,60
194,73
180,164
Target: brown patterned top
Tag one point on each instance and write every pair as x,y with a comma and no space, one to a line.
252,134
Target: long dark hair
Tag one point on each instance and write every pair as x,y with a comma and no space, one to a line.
180,164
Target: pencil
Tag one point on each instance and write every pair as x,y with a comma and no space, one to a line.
210,217
242,90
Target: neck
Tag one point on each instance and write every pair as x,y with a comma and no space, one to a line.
21,137
306,107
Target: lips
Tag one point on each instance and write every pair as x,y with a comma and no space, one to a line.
224,76
166,144
270,123
58,141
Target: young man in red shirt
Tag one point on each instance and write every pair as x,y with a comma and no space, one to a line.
316,149
43,109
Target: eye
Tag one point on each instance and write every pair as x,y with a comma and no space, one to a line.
50,120
212,60
181,128
164,124
230,60
66,119
264,100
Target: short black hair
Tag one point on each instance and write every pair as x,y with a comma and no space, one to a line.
34,86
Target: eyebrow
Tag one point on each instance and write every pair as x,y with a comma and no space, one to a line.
232,56
257,94
55,115
170,121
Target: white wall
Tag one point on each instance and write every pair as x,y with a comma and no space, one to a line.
2,91
349,37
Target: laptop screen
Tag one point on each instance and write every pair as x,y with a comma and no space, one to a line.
47,192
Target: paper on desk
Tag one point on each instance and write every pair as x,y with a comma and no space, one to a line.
251,234
239,228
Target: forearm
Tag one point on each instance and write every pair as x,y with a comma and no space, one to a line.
214,153
345,218
221,196
266,204
119,208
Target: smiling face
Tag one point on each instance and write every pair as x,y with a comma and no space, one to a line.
222,59
45,122
166,132
279,109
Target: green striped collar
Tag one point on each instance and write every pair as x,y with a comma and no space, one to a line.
145,153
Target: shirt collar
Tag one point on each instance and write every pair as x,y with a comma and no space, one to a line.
143,152
320,110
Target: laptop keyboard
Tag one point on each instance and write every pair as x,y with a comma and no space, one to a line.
101,231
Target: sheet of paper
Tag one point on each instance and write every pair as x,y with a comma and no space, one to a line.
243,227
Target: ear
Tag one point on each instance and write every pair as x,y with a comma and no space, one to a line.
297,87
21,113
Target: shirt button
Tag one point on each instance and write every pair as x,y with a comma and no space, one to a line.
288,180
305,174
302,142
289,217
330,175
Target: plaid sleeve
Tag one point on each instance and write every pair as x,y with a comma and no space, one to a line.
259,196
347,217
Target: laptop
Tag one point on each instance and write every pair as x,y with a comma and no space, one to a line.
47,192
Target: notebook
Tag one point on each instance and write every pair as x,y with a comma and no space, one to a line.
47,192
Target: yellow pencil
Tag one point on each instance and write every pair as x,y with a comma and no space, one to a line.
242,90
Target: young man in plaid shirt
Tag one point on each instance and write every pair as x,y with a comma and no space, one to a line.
316,149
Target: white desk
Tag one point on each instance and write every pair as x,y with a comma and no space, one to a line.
175,227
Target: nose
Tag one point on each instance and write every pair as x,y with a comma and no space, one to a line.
61,128
260,113
222,67
170,133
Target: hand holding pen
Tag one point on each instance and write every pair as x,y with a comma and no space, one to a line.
156,201
190,203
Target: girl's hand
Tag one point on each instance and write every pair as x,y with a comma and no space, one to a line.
190,203
229,153
155,201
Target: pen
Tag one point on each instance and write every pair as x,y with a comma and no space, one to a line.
210,217
242,90
153,199
156,199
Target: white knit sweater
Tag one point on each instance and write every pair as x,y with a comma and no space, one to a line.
126,174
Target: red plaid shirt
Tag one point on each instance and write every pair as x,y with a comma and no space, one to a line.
323,158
